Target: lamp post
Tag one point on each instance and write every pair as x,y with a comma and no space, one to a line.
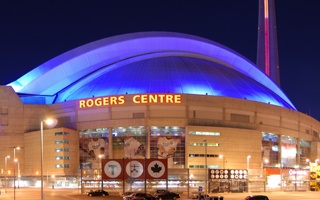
6,169
19,175
14,171
47,122
295,176
206,165
100,169
248,162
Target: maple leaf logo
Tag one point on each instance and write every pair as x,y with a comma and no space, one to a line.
156,168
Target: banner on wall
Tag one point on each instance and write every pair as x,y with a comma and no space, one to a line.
125,169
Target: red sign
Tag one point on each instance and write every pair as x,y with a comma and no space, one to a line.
156,169
134,168
112,169
123,169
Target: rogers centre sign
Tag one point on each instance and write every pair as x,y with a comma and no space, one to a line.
137,99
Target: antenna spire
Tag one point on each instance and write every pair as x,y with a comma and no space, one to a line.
267,54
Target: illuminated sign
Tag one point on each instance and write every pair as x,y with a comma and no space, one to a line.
113,169
299,173
137,99
228,174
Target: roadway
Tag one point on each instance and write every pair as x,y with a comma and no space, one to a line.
74,194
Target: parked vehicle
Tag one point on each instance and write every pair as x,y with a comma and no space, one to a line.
97,193
257,197
139,196
167,195
126,194
205,197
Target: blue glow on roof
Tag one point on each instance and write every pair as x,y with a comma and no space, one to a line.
152,62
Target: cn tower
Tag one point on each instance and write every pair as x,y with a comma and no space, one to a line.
267,52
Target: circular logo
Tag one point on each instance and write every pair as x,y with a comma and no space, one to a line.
156,169
112,169
134,169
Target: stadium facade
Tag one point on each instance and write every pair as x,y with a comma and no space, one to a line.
214,116
213,103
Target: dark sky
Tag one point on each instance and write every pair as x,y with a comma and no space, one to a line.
32,32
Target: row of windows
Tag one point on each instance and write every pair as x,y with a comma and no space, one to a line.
62,166
202,144
205,133
203,155
203,166
62,158
62,142
62,149
61,133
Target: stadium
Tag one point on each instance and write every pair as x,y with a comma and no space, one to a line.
217,119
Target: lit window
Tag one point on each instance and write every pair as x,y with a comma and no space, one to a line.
204,133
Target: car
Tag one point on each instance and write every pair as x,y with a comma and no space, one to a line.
146,197
97,193
139,196
205,197
256,197
167,195
126,194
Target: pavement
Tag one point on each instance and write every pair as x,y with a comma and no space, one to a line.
75,194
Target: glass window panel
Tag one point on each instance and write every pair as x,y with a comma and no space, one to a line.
168,142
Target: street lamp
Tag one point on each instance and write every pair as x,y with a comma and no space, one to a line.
206,164
100,169
14,171
248,162
19,175
6,169
295,176
48,122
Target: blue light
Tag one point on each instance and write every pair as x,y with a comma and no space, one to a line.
151,62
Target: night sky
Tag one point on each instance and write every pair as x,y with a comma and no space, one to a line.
32,32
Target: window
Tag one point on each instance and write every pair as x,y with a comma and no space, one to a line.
203,166
204,133
203,155
62,142
202,144
168,137
62,149
62,166
270,149
59,157
62,158
61,133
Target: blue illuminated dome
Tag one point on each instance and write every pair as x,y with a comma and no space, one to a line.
148,62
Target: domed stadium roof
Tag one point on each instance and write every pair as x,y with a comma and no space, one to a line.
148,62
